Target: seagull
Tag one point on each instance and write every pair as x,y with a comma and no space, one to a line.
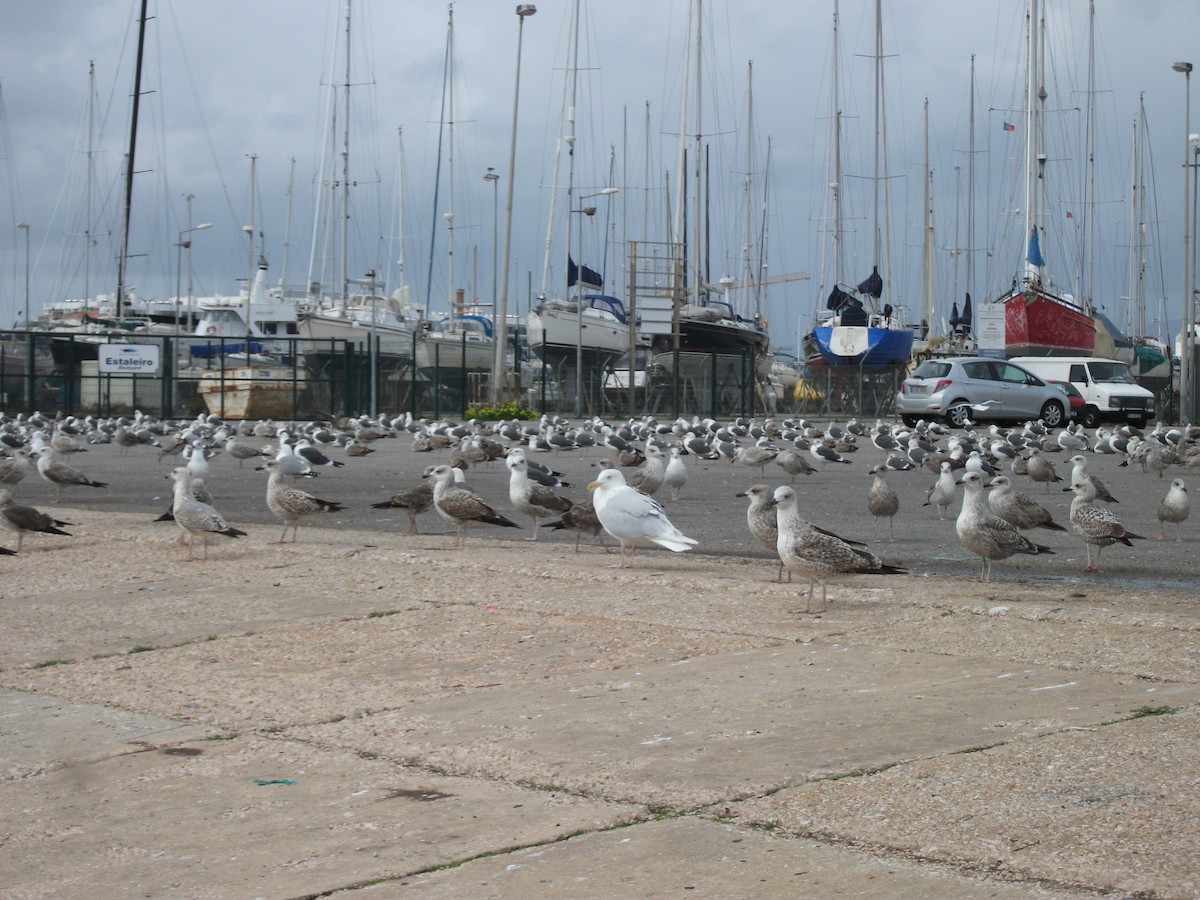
675,474
652,474
1019,509
631,517
816,554
242,452
1097,526
535,500
61,475
823,454
580,518
1079,468
413,501
762,521
793,463
985,534
1040,469
26,520
943,492
882,500
195,518
290,504
755,456
461,506
14,468
1174,507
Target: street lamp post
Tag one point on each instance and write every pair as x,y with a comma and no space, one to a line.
180,246
500,326
493,179
1187,397
24,226
588,211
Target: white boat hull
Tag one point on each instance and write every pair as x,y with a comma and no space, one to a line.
252,392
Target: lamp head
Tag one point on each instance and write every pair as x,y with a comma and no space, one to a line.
525,9
1184,67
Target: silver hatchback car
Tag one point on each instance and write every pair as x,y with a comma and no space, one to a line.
970,389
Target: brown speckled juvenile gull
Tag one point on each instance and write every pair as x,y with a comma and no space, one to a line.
23,520
986,534
14,468
195,518
414,501
581,518
61,475
815,554
290,504
1097,526
882,501
460,506
1019,509
762,521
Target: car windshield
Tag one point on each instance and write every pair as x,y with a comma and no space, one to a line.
932,369
1110,372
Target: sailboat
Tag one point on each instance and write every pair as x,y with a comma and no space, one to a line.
360,313
461,342
1039,321
850,332
590,327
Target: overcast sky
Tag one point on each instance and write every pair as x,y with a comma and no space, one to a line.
228,80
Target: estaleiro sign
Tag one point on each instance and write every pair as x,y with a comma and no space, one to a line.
128,359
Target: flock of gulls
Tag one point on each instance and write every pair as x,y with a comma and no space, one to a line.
981,467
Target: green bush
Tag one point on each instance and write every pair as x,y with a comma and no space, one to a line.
503,411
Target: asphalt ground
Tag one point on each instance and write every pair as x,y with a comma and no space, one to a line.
708,509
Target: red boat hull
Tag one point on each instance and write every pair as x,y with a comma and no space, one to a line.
1039,324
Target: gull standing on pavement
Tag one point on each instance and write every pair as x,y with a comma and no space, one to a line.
195,518
1097,526
985,534
816,554
290,504
632,517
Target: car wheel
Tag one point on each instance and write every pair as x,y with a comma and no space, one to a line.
910,421
1053,414
1091,417
959,414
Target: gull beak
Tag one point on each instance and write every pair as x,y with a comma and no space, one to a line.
592,485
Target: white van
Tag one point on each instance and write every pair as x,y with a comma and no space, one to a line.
1109,390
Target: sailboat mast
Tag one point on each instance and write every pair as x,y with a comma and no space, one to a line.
133,130
971,183
449,214
876,236
87,200
1089,228
569,140
748,275
345,236
697,209
837,156
927,251
1033,121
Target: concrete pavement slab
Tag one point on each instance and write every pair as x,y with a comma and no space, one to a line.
259,817
693,857
693,732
